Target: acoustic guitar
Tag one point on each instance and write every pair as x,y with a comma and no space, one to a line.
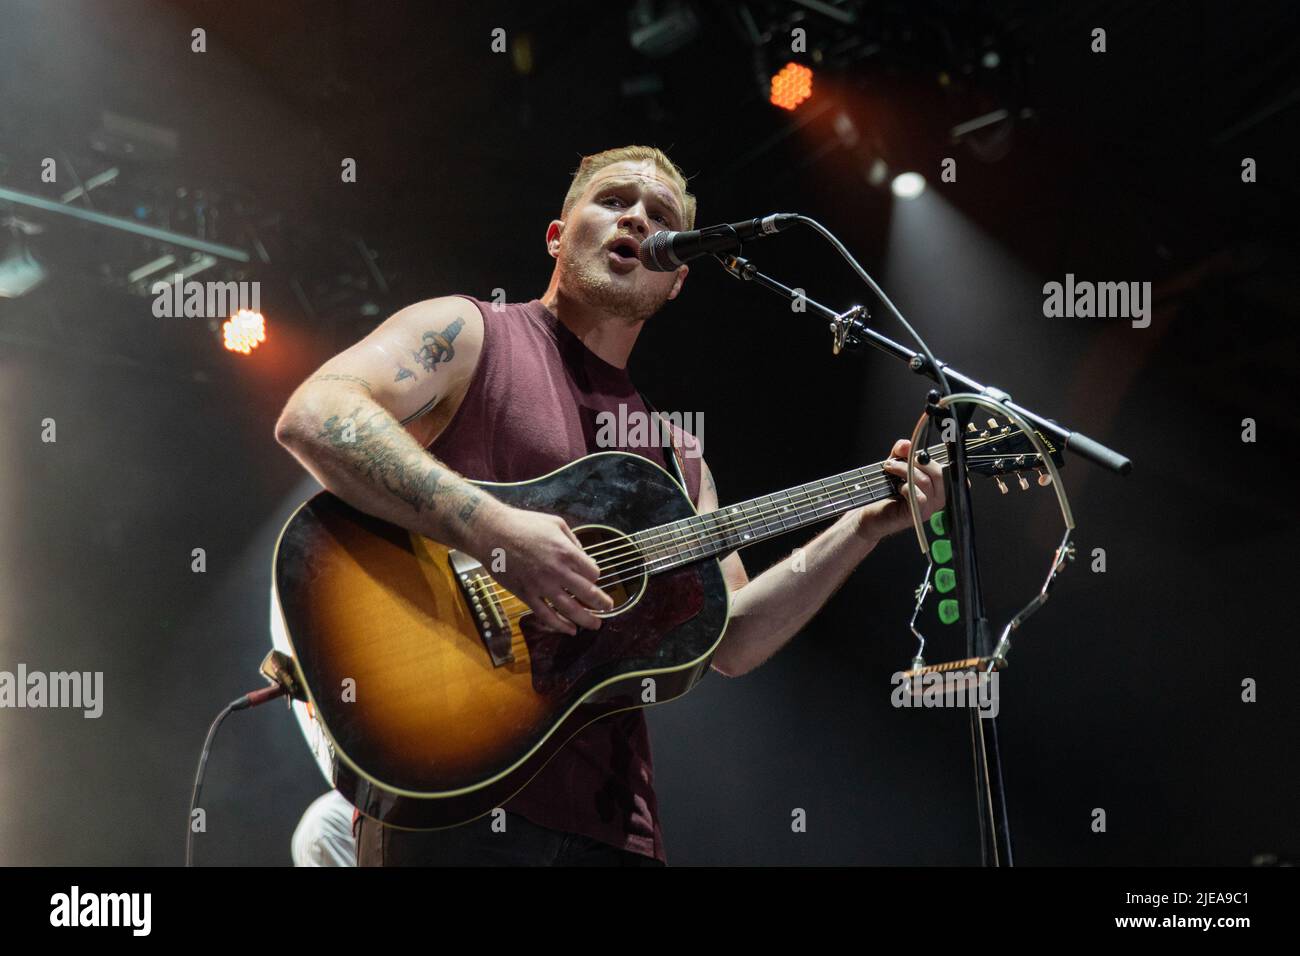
438,694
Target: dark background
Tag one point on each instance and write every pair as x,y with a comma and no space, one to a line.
1124,692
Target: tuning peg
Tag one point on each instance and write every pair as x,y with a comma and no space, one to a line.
970,427
993,423
1002,486
1024,482
1044,479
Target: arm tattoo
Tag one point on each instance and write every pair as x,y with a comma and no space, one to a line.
437,346
427,407
467,510
365,440
333,377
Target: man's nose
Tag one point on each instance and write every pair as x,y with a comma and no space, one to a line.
634,219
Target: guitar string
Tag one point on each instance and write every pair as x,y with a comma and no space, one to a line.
522,608
823,498
722,524
828,504
820,501
665,536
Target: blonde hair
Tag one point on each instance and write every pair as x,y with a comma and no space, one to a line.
591,165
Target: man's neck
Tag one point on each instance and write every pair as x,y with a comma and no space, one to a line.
608,335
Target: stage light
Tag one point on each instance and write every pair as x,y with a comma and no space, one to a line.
846,131
877,172
791,86
20,273
908,185
244,331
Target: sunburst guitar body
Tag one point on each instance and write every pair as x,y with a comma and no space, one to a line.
438,697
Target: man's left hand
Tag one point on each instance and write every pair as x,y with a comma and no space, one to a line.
883,518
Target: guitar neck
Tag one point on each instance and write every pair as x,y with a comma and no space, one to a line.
749,522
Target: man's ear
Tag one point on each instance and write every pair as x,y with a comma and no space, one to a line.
681,278
553,237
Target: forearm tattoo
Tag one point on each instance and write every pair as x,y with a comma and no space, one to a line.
467,509
369,442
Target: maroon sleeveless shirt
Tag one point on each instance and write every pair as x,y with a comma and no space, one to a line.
531,408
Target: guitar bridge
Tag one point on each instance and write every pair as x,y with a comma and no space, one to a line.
479,592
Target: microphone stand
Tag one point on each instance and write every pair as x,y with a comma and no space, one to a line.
849,330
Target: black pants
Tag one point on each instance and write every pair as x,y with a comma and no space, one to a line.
523,843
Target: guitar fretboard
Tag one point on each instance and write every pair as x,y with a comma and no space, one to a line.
738,526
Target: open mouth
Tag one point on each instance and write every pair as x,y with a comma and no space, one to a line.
625,248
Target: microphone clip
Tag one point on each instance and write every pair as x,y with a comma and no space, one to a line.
739,267
847,328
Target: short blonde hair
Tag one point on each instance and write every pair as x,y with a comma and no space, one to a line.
591,165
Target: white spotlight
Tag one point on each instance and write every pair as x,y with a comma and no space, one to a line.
908,185
19,272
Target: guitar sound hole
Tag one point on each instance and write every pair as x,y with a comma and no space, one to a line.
621,573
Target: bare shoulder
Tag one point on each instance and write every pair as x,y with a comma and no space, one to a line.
442,309
434,334
417,358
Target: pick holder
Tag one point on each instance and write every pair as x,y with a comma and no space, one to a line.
999,402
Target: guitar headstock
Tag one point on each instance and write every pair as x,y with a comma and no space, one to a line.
1001,448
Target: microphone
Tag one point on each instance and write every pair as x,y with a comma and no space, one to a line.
665,251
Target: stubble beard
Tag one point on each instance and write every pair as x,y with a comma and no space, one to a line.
592,281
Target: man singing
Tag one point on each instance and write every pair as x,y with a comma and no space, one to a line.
454,388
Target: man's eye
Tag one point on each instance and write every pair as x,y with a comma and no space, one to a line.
658,217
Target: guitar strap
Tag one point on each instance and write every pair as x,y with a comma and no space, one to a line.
678,469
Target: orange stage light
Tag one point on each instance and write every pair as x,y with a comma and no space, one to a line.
244,331
791,86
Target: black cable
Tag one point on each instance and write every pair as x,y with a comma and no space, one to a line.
944,387
241,703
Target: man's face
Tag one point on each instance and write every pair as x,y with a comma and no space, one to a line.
597,263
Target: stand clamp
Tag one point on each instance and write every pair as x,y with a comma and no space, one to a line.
847,328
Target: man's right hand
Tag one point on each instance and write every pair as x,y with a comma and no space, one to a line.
544,561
